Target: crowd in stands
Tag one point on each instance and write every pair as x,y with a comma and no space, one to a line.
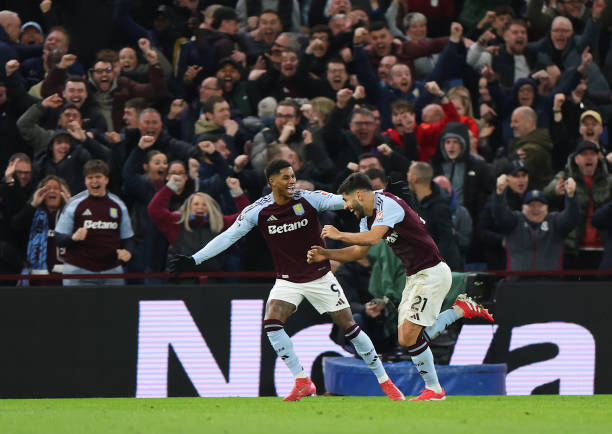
489,118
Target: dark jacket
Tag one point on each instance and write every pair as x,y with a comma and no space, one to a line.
490,233
600,194
475,179
149,244
173,148
70,167
602,220
538,156
544,51
435,210
535,246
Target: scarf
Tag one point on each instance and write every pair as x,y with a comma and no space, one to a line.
37,243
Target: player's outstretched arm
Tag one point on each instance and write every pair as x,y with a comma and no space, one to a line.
347,254
368,238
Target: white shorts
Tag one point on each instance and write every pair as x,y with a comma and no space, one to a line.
424,294
325,293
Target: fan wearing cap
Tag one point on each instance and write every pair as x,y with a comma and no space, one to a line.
489,233
584,245
566,136
31,34
534,237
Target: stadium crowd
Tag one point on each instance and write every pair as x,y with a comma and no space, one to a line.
488,117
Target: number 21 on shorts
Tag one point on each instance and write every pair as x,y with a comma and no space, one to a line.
416,305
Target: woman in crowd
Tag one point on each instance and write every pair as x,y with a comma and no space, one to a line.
196,222
38,217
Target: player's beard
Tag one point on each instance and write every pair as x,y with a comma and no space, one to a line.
358,210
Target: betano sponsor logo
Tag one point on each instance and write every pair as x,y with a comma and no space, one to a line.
90,224
287,227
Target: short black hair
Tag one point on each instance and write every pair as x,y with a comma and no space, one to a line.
275,166
354,182
378,25
223,14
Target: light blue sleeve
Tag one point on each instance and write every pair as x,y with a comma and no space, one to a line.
65,224
389,214
323,201
246,221
125,231
363,225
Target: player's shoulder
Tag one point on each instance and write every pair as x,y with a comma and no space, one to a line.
256,207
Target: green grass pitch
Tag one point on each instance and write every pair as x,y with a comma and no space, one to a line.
458,414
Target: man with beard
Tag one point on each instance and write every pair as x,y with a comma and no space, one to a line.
229,76
510,62
584,245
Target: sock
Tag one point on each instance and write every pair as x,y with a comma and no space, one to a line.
445,319
423,360
365,348
281,342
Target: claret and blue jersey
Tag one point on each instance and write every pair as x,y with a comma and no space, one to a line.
407,236
289,230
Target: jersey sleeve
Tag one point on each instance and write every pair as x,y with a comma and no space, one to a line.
363,225
246,221
323,201
389,214
65,223
125,231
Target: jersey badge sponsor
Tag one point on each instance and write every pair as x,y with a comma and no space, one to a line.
544,226
298,209
391,238
271,219
114,213
87,212
379,215
322,193
415,317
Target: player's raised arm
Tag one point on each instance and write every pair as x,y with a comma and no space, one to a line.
324,201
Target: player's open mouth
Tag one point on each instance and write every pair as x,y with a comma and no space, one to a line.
291,188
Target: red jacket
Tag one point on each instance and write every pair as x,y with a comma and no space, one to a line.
167,221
